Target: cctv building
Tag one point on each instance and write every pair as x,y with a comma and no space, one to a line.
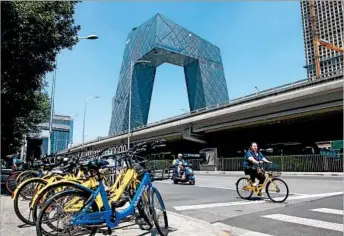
158,41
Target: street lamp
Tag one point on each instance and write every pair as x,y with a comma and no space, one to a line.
184,110
257,88
83,128
90,37
132,64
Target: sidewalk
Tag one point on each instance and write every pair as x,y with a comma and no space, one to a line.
239,173
178,224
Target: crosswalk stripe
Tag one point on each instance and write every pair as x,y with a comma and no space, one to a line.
238,231
228,204
329,211
306,221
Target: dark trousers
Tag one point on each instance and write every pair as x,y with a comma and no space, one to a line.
253,173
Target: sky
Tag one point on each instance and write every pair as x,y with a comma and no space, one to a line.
261,45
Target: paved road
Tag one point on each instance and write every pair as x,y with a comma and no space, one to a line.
315,207
215,200
316,218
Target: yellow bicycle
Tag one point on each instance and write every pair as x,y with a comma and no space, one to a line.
126,182
29,188
276,188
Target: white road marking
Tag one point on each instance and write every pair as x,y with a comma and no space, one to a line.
227,204
220,187
238,231
306,221
329,211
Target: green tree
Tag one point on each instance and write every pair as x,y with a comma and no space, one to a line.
32,34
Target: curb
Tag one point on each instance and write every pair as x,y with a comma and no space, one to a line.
193,221
236,173
178,225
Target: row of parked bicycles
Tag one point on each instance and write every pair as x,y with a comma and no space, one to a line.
69,195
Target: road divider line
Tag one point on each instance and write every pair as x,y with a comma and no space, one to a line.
329,211
228,204
307,222
219,187
238,231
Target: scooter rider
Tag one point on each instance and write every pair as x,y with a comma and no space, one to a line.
178,162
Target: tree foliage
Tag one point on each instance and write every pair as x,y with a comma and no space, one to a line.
32,34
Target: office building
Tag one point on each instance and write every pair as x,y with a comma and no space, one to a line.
62,135
330,24
158,41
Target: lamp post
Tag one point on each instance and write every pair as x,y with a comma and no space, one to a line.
257,88
132,64
184,110
89,37
83,128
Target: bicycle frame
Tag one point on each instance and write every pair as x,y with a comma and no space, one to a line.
260,187
71,179
112,218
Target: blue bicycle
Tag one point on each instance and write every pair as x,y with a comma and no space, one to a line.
89,218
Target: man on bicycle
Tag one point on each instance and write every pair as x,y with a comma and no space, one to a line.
252,159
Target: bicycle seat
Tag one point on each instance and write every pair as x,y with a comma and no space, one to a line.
58,171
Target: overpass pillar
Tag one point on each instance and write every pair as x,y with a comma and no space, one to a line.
189,135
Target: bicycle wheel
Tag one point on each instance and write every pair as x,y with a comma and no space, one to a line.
157,199
241,188
57,207
22,207
26,175
11,182
45,194
280,188
145,212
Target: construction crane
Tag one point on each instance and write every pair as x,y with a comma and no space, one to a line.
318,42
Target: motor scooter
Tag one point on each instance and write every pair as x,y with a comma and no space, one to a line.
178,174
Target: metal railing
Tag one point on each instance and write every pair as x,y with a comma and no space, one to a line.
262,94
290,163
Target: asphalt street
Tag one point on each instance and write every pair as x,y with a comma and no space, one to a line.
214,199
314,207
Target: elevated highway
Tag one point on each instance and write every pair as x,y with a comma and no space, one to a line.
298,100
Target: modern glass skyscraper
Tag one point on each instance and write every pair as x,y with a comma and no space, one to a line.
153,43
330,28
61,137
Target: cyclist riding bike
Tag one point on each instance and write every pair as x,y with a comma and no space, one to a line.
252,159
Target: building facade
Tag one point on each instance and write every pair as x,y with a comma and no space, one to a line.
330,27
151,44
61,137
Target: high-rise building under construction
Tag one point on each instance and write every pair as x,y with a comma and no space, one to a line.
329,29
